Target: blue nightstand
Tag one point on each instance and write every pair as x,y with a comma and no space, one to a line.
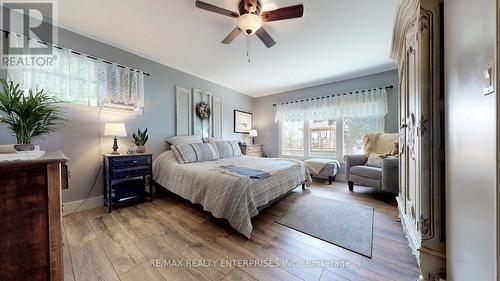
127,179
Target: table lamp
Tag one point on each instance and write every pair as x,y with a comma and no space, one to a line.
115,130
253,134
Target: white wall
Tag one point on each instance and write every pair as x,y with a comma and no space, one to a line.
469,32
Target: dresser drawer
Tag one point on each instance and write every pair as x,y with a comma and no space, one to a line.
254,148
255,154
130,172
126,162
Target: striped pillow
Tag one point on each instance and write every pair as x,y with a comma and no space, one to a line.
178,140
195,152
228,149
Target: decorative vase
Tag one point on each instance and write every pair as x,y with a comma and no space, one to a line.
24,147
140,149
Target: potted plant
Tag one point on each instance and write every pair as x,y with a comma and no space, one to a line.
140,140
28,114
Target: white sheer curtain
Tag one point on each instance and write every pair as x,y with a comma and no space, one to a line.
78,79
372,102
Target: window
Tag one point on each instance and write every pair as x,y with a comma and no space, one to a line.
355,127
327,138
292,138
78,79
323,139
330,126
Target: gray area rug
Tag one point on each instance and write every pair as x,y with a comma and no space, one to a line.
347,225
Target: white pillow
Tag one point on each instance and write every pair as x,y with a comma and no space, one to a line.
180,140
228,149
211,140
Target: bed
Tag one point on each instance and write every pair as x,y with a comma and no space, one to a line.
226,195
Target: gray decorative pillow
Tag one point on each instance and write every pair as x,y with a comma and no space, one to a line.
374,161
180,140
211,140
228,149
195,152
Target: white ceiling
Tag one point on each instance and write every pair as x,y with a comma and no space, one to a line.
334,40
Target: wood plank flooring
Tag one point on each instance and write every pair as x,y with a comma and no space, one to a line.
122,245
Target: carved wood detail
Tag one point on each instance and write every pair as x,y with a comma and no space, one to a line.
416,47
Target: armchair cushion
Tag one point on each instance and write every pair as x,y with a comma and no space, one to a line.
367,172
354,160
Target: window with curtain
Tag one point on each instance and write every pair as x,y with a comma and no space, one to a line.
323,138
78,79
330,127
292,138
355,127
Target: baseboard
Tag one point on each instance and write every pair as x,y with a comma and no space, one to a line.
90,203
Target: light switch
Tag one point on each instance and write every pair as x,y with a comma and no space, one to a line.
489,80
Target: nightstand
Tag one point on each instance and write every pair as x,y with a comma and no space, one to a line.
127,179
255,150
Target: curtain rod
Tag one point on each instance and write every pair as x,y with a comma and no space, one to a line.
74,52
341,94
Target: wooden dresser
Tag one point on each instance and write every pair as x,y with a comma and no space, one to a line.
255,150
30,218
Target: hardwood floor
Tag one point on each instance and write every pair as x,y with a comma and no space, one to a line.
122,245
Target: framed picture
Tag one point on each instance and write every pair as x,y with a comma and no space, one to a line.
242,122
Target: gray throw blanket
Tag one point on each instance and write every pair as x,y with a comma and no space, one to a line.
246,172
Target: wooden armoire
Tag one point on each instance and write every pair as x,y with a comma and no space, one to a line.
417,49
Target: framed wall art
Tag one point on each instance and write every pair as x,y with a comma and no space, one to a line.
243,122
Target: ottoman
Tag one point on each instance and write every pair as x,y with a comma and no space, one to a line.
323,168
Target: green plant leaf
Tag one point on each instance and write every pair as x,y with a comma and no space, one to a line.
141,137
30,114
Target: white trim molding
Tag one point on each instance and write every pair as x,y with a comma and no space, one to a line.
90,203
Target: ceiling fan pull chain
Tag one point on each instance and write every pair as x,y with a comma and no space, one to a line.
248,48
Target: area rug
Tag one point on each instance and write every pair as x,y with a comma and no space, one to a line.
344,224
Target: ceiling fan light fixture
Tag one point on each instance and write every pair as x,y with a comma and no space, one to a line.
250,23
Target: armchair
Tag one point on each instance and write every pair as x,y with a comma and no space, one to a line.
383,177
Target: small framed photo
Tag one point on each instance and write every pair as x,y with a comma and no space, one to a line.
242,122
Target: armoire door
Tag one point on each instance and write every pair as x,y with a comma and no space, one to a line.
409,110
417,51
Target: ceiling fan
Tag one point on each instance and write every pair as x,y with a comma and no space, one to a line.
251,18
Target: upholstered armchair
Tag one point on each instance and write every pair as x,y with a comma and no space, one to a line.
368,169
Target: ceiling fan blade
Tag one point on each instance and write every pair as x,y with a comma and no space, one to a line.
265,37
283,13
232,36
215,9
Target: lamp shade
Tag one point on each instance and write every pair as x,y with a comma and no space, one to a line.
253,133
115,130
